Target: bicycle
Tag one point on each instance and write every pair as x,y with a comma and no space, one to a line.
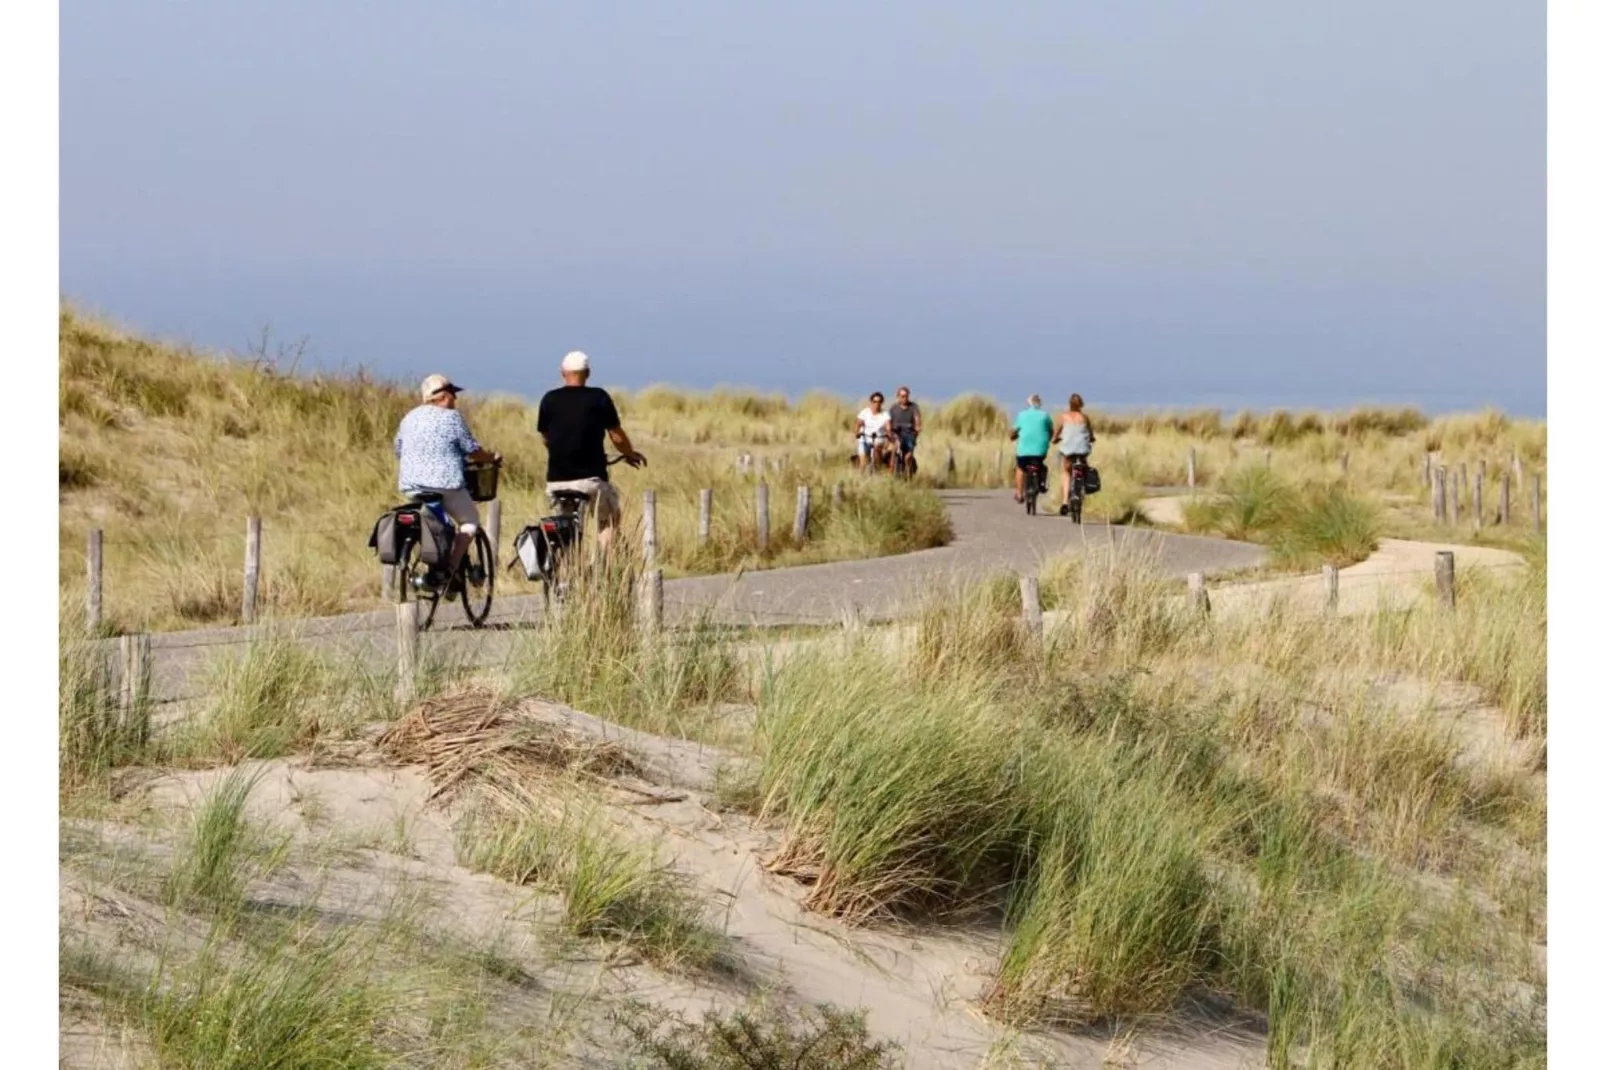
903,460
1036,483
877,455
1073,507
474,576
559,535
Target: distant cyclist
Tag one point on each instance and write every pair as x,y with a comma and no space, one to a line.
872,426
573,420
1074,433
1032,433
905,420
432,445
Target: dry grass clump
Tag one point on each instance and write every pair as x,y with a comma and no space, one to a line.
760,1036
472,737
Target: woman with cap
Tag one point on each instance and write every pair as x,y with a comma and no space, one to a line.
432,445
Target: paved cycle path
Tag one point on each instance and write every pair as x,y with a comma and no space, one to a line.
992,534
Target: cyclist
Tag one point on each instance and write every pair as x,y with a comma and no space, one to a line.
432,445
905,419
871,427
573,420
1031,434
1074,433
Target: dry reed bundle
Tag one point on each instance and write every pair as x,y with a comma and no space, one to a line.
512,757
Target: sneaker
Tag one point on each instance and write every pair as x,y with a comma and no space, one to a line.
1065,510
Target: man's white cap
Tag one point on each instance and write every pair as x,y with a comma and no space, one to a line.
576,361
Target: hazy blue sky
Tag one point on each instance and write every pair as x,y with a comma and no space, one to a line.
1150,201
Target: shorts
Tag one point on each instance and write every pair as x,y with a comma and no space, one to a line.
868,444
1071,458
458,505
604,496
1023,462
906,441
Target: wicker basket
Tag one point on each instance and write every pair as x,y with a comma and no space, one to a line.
481,479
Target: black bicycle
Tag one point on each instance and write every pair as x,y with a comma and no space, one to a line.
903,460
473,581
1073,506
1036,483
547,548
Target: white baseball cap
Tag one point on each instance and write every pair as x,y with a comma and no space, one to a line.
576,361
436,384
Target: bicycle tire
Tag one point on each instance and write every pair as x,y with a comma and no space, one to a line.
409,566
478,552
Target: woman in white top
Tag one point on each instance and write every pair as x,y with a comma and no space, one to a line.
872,431
1074,434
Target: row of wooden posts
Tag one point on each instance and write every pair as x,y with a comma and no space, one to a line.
1449,486
135,650
1199,595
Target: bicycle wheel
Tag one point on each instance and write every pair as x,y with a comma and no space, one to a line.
477,562
410,583
1076,498
1031,492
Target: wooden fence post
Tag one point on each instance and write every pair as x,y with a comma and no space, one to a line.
837,494
1198,597
1031,606
1477,503
1190,469
92,593
1438,495
493,529
998,466
800,522
649,527
762,506
1330,581
1516,469
1535,492
253,568
1455,499
1444,577
951,468
406,649
1427,469
1268,458
651,619
133,687
1463,485
1343,463
705,514
1505,499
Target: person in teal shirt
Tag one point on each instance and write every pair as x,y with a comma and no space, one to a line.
1033,431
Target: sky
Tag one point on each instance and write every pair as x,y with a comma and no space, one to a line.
1154,203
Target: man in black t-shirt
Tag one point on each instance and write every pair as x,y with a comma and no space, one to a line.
573,420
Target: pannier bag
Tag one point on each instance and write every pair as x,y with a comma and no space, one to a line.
401,522
537,546
1091,483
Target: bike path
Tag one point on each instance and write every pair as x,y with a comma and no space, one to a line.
992,534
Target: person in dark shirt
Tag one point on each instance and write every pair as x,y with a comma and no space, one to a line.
573,420
906,429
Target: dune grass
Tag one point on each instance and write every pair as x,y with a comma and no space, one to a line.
612,889
756,1037
1305,526
1160,805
